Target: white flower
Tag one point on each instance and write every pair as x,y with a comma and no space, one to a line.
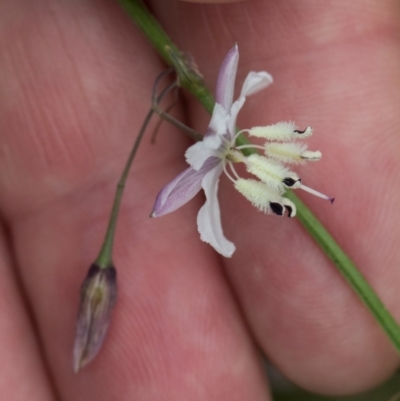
218,150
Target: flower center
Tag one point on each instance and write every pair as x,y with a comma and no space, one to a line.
270,169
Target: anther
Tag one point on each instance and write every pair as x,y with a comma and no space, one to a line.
305,133
291,182
277,208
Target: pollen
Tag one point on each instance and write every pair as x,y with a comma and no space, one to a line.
270,172
264,199
282,131
257,193
311,156
288,152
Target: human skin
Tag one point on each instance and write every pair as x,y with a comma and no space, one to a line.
75,85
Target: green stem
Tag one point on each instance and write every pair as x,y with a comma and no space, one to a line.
189,131
191,80
348,269
104,260
188,77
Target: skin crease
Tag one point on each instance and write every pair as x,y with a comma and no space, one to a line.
75,86
213,1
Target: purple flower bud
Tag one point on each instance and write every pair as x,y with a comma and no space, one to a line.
98,295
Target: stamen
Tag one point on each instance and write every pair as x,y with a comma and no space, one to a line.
235,156
239,133
277,208
289,211
292,182
305,133
287,152
258,194
249,146
227,174
316,193
312,156
270,172
233,170
282,131
290,207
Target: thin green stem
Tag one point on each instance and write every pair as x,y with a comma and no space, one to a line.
160,121
348,269
188,131
104,259
190,79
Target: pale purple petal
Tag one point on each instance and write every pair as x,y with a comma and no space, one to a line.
98,296
254,82
226,79
181,189
198,153
209,217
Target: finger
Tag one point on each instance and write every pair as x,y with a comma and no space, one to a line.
213,1
335,69
22,371
76,90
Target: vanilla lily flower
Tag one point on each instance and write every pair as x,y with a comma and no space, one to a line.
218,151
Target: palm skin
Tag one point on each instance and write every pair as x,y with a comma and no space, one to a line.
75,86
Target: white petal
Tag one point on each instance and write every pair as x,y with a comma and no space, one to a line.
226,79
236,107
198,153
209,217
217,127
254,82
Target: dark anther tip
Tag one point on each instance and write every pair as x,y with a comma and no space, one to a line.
300,132
277,208
289,211
289,182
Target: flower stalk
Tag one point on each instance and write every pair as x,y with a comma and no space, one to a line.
190,80
104,259
99,289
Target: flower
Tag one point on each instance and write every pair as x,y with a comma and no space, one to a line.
218,150
98,295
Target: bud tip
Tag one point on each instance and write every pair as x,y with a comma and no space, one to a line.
98,295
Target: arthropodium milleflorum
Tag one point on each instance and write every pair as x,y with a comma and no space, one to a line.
208,159
99,289
218,153
98,296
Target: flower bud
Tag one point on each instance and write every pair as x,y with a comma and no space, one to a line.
98,295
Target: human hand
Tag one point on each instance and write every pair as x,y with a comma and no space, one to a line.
76,82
